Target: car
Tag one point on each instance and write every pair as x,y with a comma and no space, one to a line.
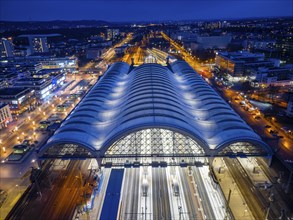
274,132
26,142
268,126
257,117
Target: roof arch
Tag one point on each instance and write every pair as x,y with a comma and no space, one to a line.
153,96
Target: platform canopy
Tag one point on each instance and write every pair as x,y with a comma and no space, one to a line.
153,110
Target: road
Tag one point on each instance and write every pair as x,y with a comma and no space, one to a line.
191,60
109,54
283,146
161,203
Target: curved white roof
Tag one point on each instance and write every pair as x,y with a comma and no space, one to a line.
152,96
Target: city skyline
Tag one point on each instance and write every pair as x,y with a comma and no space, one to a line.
131,11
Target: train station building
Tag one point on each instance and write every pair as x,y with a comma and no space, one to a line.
153,114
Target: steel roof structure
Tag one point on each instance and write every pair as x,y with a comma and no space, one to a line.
171,111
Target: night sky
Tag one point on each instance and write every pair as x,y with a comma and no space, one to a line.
140,10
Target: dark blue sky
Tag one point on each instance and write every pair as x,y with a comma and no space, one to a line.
138,10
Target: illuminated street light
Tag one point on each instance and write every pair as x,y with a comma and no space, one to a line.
4,149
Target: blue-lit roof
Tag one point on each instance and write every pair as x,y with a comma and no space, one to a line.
152,96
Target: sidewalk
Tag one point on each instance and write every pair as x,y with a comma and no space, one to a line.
237,202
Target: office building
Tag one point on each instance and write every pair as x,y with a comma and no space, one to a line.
42,86
6,48
112,33
212,42
240,63
18,99
5,115
94,52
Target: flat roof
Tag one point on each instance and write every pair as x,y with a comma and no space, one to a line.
12,91
30,79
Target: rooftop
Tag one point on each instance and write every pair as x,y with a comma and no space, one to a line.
12,91
153,96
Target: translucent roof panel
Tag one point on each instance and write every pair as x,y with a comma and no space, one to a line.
153,96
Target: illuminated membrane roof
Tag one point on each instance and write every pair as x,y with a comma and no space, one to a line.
153,96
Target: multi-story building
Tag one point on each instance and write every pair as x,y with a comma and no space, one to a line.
112,33
42,86
285,48
94,52
68,63
6,48
120,50
5,115
241,63
22,51
57,76
265,45
36,43
36,63
18,99
212,41
279,76
39,44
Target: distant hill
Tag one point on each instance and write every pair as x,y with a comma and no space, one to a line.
57,24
